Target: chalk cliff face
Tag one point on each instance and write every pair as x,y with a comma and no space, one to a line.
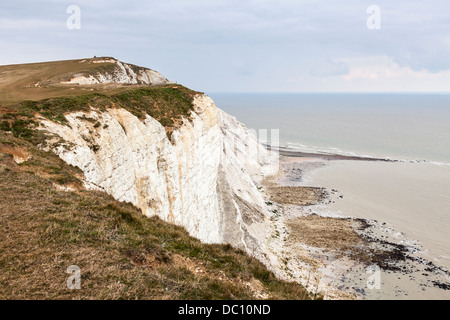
118,72
203,178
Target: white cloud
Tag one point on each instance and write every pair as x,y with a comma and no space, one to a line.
245,45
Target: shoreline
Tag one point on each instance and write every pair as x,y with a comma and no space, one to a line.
290,153
332,254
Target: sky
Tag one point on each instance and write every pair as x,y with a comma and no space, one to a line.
246,45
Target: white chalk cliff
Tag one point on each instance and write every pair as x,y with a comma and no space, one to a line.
203,179
118,73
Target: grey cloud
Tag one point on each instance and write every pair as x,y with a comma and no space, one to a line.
197,41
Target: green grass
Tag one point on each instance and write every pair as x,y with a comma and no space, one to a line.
122,254
21,98
168,104
55,108
5,126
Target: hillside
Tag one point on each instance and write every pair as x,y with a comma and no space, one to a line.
122,254
53,219
37,81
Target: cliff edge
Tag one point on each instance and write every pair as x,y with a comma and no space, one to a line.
143,140
100,161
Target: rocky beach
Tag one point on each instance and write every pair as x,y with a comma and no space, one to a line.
339,256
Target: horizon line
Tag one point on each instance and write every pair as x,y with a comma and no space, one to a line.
327,92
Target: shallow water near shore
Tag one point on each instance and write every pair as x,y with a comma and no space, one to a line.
339,248
413,197
397,126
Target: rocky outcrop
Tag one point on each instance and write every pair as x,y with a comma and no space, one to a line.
204,178
115,72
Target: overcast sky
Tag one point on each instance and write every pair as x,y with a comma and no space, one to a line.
245,45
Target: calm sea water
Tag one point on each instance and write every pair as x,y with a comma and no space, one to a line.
413,197
399,126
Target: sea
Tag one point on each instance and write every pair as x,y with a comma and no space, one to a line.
411,194
398,126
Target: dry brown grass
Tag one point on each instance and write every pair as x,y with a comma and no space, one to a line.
30,89
17,82
121,253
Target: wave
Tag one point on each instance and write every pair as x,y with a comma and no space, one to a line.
294,146
440,164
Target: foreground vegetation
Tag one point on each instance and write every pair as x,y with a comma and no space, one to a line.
49,222
169,104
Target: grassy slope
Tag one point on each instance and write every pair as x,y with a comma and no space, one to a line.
17,82
166,103
122,254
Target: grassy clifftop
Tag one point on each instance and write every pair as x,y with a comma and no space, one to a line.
28,89
167,103
50,223
37,81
